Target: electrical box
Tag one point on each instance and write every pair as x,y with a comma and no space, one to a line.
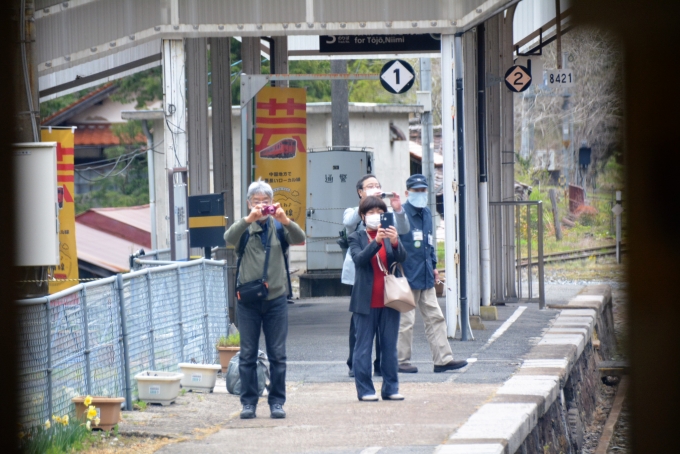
424,98
37,204
332,176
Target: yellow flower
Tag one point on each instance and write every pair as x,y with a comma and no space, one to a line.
64,420
96,421
87,424
91,412
48,424
56,419
88,401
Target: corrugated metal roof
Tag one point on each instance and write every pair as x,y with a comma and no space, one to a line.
103,249
139,216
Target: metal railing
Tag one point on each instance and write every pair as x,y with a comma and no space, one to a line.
527,229
93,338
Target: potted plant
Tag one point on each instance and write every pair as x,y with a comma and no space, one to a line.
228,346
199,377
100,412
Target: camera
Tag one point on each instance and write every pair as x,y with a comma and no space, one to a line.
386,195
269,209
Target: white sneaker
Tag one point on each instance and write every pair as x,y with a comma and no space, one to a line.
394,397
369,398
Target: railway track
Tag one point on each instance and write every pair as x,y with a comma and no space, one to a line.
578,254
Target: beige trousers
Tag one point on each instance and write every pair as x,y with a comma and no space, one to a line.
435,329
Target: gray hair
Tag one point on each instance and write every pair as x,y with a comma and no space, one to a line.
260,187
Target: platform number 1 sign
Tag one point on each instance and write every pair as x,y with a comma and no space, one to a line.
397,76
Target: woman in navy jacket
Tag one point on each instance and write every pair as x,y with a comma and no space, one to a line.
370,316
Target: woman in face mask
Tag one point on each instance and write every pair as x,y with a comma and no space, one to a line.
370,316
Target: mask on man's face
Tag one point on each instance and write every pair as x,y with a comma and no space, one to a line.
417,199
373,221
373,191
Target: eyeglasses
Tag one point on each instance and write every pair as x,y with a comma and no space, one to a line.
263,201
372,186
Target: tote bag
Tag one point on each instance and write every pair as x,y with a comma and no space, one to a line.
398,295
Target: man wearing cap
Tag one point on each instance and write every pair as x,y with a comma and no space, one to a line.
421,271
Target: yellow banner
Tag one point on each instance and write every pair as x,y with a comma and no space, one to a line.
281,147
68,266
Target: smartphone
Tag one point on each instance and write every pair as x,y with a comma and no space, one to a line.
386,220
387,194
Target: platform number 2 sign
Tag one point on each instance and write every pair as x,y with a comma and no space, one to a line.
518,78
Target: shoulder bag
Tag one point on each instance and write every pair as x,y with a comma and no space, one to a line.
398,295
256,290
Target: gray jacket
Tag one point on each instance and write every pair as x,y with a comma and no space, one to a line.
252,263
353,223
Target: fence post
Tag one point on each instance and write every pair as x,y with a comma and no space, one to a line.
179,313
48,316
541,286
529,283
151,330
86,334
225,276
206,334
126,353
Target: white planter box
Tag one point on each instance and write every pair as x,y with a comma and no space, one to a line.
157,387
199,377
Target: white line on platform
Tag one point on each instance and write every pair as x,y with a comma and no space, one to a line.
371,450
504,327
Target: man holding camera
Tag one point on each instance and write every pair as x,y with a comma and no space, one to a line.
368,185
262,291
420,268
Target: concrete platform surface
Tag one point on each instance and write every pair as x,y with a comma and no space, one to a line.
323,413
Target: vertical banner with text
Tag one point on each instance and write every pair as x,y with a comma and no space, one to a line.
281,147
68,259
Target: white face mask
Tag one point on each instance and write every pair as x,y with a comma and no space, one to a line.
373,221
373,191
417,199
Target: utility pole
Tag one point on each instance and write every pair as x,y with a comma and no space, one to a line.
28,126
427,140
339,106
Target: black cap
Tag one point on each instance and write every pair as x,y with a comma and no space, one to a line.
416,181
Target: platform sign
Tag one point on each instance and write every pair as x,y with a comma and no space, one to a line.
518,78
397,76
281,147
66,273
206,220
379,44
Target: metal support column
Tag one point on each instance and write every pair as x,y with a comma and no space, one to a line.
449,186
174,138
180,323
48,372
427,142
485,248
462,219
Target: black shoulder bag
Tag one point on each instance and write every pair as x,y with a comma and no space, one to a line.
256,290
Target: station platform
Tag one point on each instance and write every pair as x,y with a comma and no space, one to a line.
518,366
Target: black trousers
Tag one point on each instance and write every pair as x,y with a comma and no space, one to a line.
352,343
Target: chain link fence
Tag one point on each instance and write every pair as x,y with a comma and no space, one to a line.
93,338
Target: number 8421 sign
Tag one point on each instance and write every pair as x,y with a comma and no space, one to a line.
559,78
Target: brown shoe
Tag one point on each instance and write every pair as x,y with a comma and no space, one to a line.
406,368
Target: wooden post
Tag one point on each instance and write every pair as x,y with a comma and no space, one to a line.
556,217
